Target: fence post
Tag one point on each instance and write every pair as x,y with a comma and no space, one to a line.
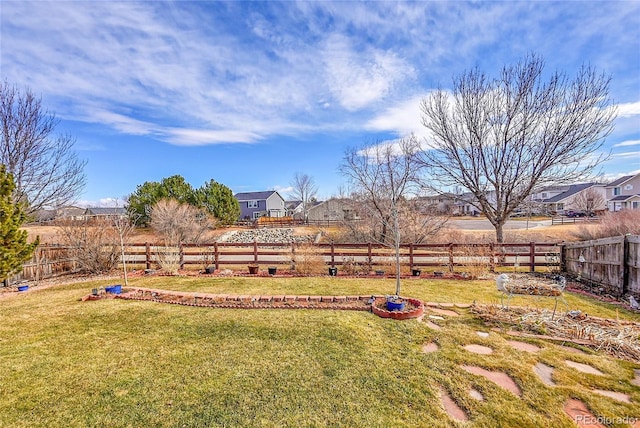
411,256
492,257
255,251
626,261
532,256
369,256
216,259
332,254
451,257
181,250
293,256
147,254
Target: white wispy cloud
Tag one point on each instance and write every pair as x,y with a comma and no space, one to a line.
629,109
627,143
184,74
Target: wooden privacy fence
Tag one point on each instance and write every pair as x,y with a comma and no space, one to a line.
47,261
610,264
438,256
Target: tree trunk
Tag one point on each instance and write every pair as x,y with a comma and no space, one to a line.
500,232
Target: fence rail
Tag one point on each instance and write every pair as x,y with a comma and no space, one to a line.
572,220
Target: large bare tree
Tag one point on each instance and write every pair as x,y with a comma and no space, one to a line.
383,178
501,137
304,189
47,172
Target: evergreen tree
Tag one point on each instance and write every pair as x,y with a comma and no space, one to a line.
14,248
219,201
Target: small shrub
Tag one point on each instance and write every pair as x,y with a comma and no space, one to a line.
308,260
351,267
475,260
168,258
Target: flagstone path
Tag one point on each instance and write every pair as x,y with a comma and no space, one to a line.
545,373
574,408
452,408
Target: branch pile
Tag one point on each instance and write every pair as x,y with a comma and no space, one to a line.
620,339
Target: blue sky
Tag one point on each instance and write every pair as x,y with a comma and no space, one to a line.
248,93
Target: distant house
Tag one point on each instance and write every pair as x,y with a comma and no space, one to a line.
70,213
562,198
334,209
444,203
254,205
624,193
105,213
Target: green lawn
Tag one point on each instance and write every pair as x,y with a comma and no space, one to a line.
114,363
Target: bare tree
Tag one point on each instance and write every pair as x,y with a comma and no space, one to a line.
501,137
46,170
589,200
383,177
124,227
304,189
177,223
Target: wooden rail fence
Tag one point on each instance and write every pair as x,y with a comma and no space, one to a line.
52,260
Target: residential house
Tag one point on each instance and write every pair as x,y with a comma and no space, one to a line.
443,203
105,213
254,205
624,193
334,209
560,199
70,213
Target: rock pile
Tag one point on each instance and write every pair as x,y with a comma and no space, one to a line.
267,235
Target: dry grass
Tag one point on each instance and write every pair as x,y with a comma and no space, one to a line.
308,260
123,363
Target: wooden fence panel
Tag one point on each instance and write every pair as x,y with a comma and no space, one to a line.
632,274
600,262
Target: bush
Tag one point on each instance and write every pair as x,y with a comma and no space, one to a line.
94,244
612,224
308,260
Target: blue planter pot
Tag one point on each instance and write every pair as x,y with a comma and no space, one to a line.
395,306
23,288
114,289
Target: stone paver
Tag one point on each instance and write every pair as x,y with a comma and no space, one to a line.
475,394
436,317
432,326
482,334
636,380
584,368
545,373
572,349
427,348
478,349
523,346
619,396
452,408
499,378
578,411
445,312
